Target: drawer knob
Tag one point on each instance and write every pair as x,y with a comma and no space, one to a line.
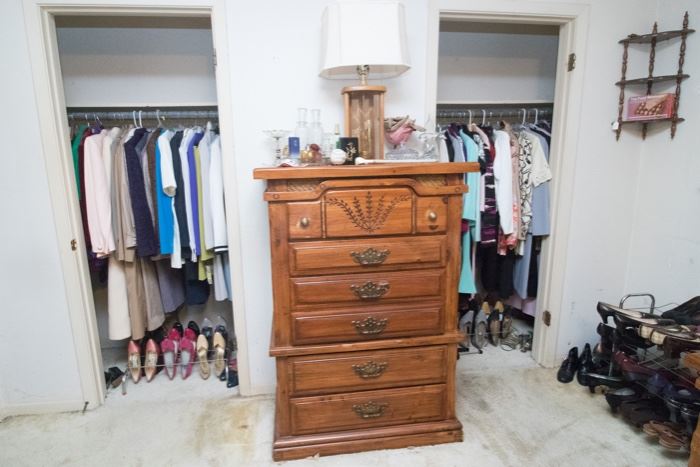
370,410
370,369
370,257
370,326
370,290
304,222
432,216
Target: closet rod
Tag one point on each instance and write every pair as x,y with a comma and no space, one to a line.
492,111
122,114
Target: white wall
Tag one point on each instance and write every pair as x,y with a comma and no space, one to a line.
496,67
281,74
136,66
38,367
606,177
664,255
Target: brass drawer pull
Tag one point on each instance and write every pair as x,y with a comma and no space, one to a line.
370,290
370,369
370,325
304,222
432,216
370,410
370,256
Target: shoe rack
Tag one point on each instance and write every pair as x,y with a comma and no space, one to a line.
651,79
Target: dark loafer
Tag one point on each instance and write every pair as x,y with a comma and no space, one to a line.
568,367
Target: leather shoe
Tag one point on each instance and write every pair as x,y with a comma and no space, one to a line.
568,367
685,313
585,365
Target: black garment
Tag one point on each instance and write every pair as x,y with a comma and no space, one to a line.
450,149
180,210
496,270
196,291
146,244
533,272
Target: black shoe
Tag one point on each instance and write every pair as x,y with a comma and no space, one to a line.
615,397
568,367
178,326
194,326
113,376
585,365
685,313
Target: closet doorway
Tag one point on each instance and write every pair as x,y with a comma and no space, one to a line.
149,62
517,88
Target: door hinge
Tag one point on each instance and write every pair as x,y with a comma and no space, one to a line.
74,244
572,62
547,318
213,54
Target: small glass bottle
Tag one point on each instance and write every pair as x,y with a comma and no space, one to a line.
302,130
336,137
315,130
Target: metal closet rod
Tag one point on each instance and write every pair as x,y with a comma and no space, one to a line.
493,111
86,113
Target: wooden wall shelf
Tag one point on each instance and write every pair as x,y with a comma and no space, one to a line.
651,79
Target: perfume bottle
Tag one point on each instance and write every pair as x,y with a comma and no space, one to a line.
302,130
315,130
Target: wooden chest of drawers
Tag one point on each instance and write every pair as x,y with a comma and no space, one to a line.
365,263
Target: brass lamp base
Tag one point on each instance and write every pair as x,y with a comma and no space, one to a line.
364,118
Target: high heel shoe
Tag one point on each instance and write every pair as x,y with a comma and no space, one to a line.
151,363
187,353
202,355
220,338
134,361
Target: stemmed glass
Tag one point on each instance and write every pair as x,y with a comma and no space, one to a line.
277,135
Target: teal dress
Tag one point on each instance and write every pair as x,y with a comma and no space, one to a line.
471,213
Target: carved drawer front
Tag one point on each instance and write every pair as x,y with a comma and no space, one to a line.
380,211
367,255
367,370
304,220
367,409
431,214
366,289
347,325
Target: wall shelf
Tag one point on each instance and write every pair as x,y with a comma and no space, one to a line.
655,36
653,79
652,39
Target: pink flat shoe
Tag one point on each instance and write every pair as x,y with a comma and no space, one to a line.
187,353
169,348
151,364
175,336
134,361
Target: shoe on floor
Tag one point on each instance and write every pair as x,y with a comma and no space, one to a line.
203,356
568,367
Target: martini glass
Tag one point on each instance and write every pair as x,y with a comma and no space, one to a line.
277,135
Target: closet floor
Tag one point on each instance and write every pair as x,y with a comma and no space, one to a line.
161,388
513,412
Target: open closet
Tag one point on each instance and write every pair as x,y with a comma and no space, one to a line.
141,99
495,106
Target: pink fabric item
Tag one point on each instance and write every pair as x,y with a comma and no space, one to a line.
400,135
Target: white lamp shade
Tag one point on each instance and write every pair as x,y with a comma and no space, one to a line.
363,33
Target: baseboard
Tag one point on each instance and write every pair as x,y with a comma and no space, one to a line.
39,408
262,390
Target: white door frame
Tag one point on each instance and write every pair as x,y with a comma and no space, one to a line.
53,127
573,21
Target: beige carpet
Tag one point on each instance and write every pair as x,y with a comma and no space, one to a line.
514,414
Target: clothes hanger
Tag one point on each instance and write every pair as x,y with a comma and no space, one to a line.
524,116
133,114
483,117
470,118
140,119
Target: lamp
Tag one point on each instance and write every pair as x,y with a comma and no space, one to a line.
365,39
